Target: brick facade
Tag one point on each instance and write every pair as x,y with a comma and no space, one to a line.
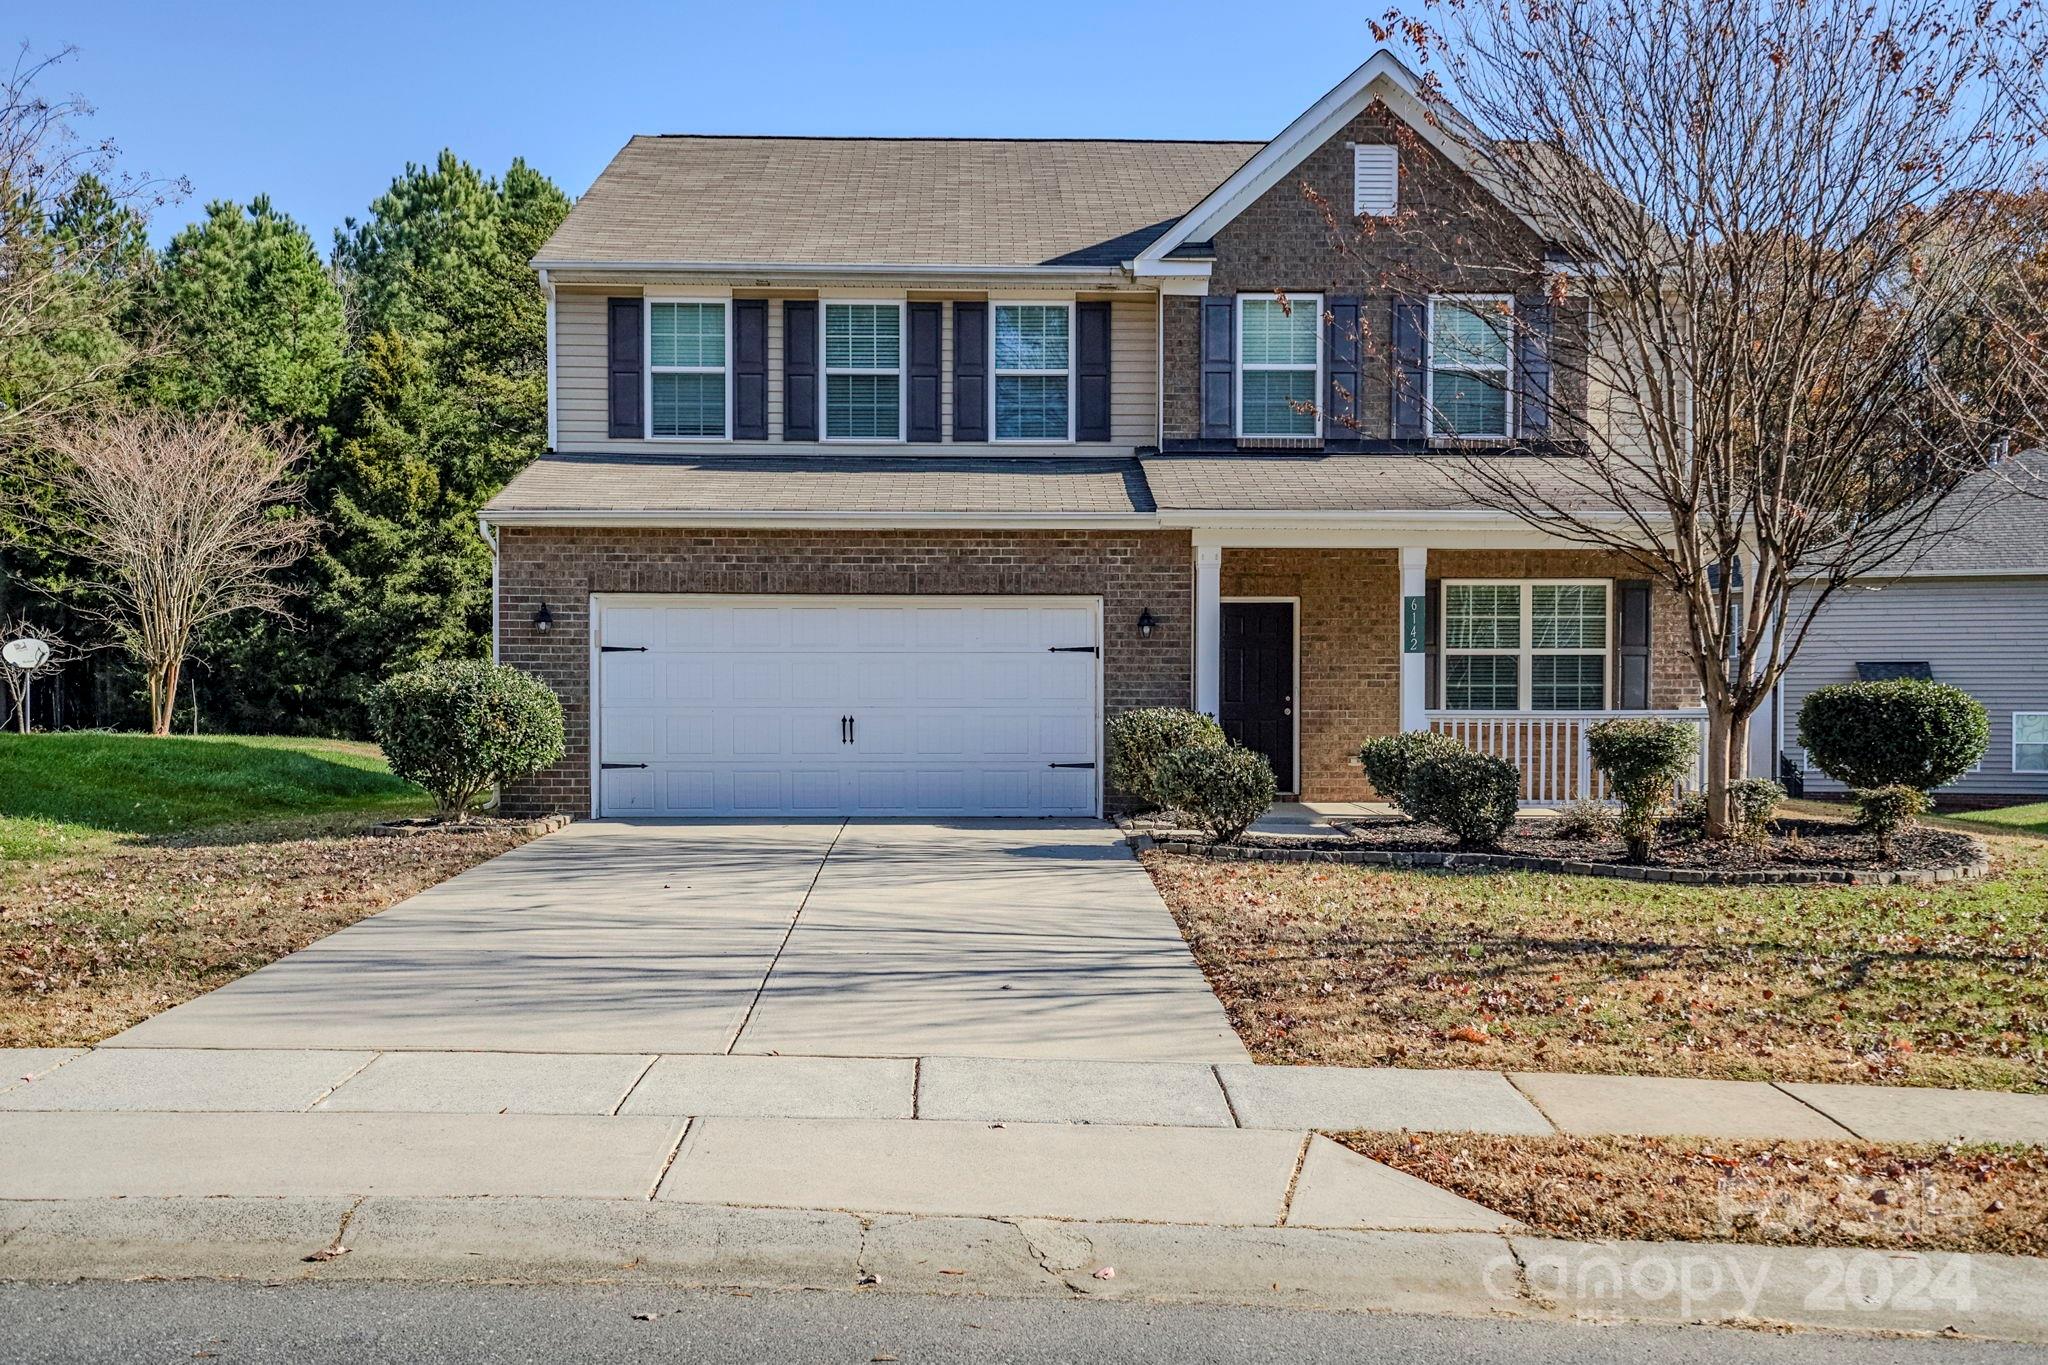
1451,236
1130,570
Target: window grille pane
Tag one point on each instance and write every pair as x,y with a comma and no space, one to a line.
863,336
687,334
1031,337
688,404
1568,682
1482,682
2030,742
1568,616
862,405
1270,397
1031,407
1483,616
1469,334
1277,335
1469,404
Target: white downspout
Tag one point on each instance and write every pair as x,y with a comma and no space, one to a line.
547,284
483,528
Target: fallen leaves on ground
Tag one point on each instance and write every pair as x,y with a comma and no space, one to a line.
1846,1194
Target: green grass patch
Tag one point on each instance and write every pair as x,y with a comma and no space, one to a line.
69,793
2031,818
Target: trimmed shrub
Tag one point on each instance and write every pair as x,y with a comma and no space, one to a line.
461,727
1583,820
1390,760
1222,788
1139,739
1884,811
1752,803
1643,759
1906,732
1471,797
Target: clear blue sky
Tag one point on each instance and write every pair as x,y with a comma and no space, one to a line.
321,106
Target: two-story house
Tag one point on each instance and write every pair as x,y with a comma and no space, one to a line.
883,471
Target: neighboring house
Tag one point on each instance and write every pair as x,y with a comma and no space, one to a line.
1972,611
883,471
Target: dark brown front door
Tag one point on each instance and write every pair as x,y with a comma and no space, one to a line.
1258,682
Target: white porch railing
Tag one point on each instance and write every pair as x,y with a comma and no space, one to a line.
1550,748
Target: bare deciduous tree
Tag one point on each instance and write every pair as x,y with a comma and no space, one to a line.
187,518
1766,222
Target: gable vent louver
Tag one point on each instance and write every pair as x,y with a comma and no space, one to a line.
1375,179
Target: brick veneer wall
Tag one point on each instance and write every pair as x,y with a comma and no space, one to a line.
1350,639
1129,570
1450,237
1350,652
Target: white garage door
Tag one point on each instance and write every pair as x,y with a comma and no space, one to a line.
712,705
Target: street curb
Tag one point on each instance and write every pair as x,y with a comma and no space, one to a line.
1469,1274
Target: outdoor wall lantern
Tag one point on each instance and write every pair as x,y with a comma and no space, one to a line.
1147,623
543,620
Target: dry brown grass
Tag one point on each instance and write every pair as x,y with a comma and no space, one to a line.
1355,966
1841,1194
97,942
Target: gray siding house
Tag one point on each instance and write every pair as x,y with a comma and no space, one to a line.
1972,611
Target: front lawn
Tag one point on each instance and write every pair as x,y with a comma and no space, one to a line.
136,873
1349,965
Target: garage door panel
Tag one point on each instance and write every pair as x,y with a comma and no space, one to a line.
959,706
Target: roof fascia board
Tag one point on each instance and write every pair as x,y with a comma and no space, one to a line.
847,268
977,521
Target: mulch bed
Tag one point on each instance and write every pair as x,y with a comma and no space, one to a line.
1840,1194
1798,850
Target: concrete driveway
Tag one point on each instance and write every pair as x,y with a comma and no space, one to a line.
1034,939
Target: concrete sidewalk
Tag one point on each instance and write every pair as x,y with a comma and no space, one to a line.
996,1090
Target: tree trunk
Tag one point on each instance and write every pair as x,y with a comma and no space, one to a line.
1727,761
163,696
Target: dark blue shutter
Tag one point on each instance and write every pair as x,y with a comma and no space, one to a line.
626,368
1532,368
1091,371
799,370
1343,352
750,369
1219,368
1410,367
1432,646
970,371
927,322
1632,644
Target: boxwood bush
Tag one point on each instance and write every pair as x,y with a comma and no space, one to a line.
1906,732
1643,758
1139,739
460,727
1470,796
1884,810
1390,761
1752,804
1222,788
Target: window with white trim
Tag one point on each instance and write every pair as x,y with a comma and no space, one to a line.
1531,646
1471,368
863,371
686,369
1279,364
1034,371
2030,741
1375,179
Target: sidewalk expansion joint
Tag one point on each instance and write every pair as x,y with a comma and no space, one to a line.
328,1093
1294,1178
674,1154
635,1085
916,1087
1534,1103
787,934
1818,1110
1216,1070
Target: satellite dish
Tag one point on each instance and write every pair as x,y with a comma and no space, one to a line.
27,652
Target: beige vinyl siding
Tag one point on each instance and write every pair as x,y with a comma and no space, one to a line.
1988,636
580,378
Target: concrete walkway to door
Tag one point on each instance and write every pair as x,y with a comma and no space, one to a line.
1022,939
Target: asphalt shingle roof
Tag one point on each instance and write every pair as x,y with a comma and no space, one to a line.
1330,483
2000,521
887,201
822,483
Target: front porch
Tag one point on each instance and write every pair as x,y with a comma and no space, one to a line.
1310,641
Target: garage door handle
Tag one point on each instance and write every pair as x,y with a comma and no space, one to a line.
622,765
1070,765
1076,649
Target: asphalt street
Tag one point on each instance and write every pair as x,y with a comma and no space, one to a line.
310,1324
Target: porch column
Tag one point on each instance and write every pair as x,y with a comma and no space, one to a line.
1415,661
1209,629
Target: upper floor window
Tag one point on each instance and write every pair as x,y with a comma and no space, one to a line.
1280,364
1525,646
2029,742
686,382
1033,371
863,371
1375,179
1470,366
